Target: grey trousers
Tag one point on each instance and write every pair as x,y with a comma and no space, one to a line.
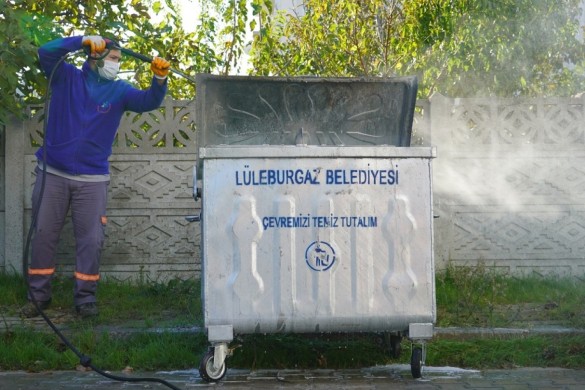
87,201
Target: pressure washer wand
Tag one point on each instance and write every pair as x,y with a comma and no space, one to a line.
148,59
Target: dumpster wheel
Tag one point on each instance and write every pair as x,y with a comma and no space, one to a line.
416,362
207,371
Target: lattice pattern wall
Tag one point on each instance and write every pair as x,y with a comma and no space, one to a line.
509,183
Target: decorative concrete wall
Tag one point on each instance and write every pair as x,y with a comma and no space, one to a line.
508,183
508,188
150,194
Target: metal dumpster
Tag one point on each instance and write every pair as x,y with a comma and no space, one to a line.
309,227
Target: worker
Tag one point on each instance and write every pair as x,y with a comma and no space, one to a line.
86,107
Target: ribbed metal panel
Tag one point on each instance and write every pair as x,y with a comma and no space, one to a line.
301,243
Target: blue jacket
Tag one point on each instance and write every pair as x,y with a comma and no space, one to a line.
85,111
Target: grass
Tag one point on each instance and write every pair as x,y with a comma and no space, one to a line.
512,352
480,296
146,304
474,297
21,350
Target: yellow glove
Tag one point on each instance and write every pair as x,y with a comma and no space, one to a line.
160,67
96,43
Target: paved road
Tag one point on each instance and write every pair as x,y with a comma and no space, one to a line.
383,377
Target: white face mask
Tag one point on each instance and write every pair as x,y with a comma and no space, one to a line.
109,70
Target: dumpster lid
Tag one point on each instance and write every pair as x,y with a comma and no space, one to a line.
243,110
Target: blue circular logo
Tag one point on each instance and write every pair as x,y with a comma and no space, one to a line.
320,256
